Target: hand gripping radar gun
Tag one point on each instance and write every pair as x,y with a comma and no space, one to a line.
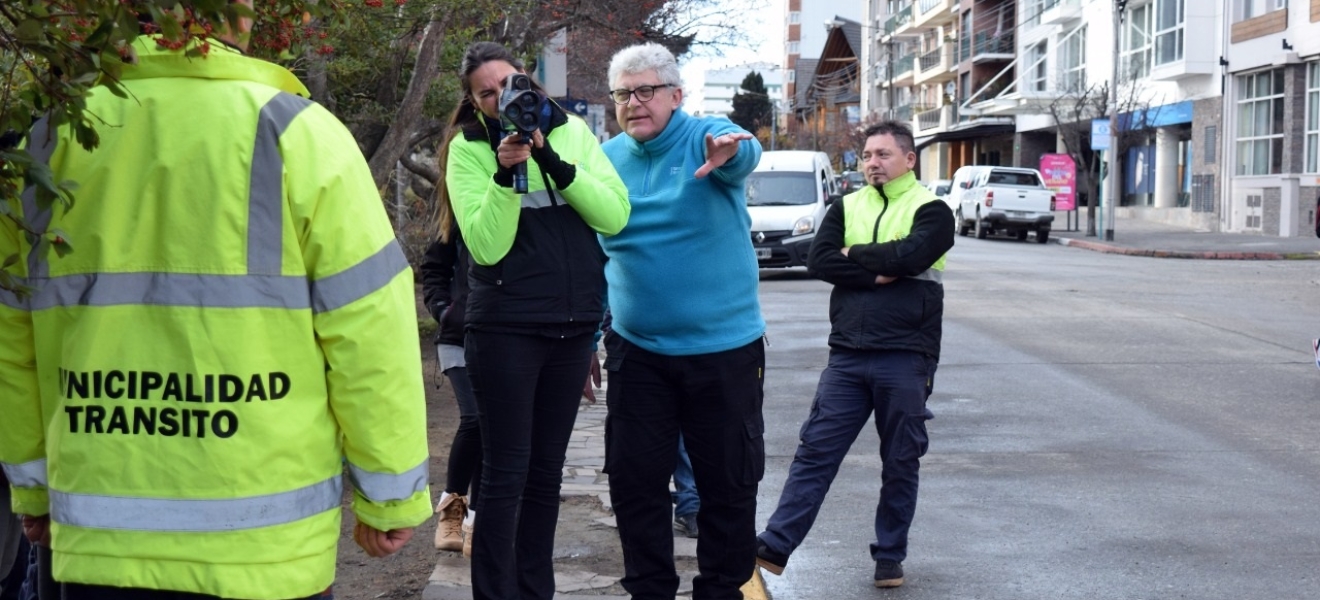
519,113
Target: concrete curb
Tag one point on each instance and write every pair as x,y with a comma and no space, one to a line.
1206,255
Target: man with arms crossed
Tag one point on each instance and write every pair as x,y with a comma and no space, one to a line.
883,248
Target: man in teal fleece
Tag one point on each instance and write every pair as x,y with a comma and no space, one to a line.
685,354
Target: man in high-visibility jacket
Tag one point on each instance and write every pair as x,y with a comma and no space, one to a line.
180,393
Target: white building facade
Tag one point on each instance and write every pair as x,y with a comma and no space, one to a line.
722,84
1272,116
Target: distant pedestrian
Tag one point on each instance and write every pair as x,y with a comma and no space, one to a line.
883,248
685,354
536,300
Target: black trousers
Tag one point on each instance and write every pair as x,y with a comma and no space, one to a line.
528,388
715,401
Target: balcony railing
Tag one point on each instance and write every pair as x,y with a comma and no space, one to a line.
904,64
928,5
985,43
931,60
900,18
938,118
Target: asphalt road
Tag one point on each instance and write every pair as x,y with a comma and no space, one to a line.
1106,426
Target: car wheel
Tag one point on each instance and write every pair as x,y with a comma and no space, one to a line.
1022,235
981,229
1042,236
960,223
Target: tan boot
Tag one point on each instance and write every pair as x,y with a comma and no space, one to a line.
449,529
467,537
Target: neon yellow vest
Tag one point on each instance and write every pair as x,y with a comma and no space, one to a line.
237,319
862,208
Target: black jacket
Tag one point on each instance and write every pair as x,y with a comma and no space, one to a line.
445,286
905,314
552,280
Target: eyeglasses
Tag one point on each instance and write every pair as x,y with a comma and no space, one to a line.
644,93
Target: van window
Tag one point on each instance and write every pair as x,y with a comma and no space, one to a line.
781,188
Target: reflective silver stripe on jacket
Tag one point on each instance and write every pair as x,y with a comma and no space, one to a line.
28,474
266,186
41,147
262,287
173,289
537,199
930,275
347,286
384,487
159,514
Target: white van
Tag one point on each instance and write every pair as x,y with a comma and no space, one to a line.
787,197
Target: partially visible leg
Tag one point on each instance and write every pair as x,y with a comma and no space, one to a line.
686,501
838,413
558,394
902,381
464,470
504,369
641,439
720,413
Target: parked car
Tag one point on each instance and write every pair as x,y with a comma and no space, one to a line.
940,187
787,196
851,181
1003,200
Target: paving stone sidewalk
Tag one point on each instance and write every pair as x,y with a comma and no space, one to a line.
584,475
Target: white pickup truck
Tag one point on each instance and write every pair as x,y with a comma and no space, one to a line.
1002,200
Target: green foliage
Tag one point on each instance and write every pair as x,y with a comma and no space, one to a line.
752,109
54,52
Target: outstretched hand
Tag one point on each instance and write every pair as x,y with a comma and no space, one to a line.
719,150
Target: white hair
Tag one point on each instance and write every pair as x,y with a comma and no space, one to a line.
646,57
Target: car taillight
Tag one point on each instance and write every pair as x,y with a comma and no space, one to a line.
1052,203
989,198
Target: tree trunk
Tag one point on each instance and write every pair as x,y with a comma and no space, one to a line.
409,116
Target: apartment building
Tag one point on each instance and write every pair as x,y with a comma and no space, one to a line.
1218,100
924,63
722,84
806,25
1272,116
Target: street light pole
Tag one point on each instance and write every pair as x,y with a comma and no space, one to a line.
1115,135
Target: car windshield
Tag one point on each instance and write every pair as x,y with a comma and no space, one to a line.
783,188
942,190
855,178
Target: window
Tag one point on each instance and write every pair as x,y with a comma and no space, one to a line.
1313,117
1136,44
794,18
793,47
792,75
1248,9
1073,62
1260,123
1034,8
1037,67
1168,31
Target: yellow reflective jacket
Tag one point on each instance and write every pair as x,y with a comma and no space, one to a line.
237,319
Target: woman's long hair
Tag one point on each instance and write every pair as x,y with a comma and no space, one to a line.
464,115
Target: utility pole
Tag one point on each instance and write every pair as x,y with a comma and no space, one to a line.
1111,155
